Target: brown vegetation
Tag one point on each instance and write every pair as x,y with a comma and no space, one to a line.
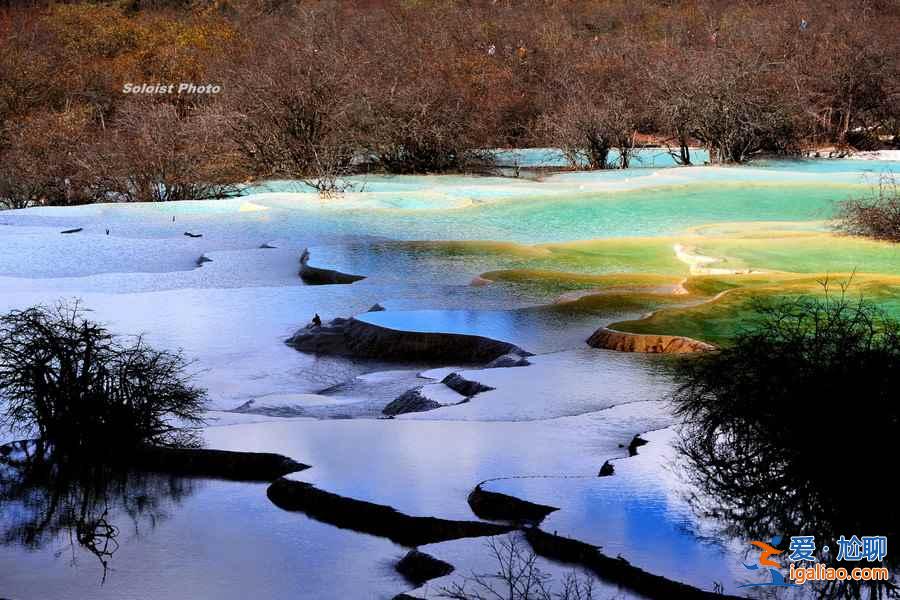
318,91
876,215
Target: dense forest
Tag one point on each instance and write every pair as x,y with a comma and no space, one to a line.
316,90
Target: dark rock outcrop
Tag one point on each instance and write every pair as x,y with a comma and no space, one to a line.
193,235
415,401
354,337
203,259
615,570
502,507
606,470
410,401
328,338
466,387
317,276
508,360
418,567
222,464
636,442
76,230
374,519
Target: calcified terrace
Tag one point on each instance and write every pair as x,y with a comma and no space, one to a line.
538,263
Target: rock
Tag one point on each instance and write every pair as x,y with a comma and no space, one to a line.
203,259
508,360
76,230
255,407
651,343
409,402
374,519
636,442
193,235
418,567
327,338
267,246
502,507
373,341
376,308
354,337
466,387
606,470
317,276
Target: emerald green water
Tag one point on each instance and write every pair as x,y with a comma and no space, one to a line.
555,211
562,207
582,205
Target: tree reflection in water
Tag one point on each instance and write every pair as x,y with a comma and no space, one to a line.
45,500
749,503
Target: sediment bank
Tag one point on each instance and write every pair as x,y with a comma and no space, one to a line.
610,339
615,570
374,519
220,464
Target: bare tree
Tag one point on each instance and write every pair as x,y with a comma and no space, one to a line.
518,578
590,123
39,162
156,154
79,388
672,100
295,104
734,116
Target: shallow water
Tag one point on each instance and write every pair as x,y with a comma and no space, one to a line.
224,540
545,430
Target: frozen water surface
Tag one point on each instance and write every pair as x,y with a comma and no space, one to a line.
542,434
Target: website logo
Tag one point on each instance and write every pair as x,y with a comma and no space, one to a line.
766,564
805,566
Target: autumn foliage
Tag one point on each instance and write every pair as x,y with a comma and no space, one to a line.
316,90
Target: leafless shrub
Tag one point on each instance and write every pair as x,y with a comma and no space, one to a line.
80,388
746,417
876,215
